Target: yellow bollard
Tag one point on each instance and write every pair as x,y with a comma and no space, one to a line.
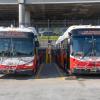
50,60
49,54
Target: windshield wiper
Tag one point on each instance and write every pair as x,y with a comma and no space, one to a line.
91,50
88,51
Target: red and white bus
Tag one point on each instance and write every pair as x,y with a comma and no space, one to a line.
79,49
18,50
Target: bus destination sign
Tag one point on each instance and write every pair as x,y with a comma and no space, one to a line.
13,34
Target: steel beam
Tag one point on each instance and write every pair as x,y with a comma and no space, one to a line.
48,1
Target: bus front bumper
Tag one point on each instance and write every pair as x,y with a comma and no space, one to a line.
86,71
10,71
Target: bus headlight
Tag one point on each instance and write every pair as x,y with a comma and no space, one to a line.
29,64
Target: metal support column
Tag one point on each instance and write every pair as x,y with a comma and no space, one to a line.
27,18
21,12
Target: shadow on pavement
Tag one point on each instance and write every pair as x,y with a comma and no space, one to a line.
83,77
16,77
90,76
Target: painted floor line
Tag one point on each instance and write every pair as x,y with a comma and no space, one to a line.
38,74
61,75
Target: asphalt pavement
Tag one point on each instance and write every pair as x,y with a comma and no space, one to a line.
45,86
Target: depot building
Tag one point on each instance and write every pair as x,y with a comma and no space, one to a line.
49,13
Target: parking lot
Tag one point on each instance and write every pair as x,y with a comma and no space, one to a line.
50,87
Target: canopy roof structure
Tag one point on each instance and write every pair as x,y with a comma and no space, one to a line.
50,9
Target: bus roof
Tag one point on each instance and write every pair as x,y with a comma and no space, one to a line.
66,35
19,29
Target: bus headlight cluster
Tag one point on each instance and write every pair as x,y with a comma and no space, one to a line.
29,64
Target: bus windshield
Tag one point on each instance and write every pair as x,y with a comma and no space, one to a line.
16,47
13,44
87,45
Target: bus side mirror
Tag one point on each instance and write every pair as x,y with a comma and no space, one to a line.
70,34
36,43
